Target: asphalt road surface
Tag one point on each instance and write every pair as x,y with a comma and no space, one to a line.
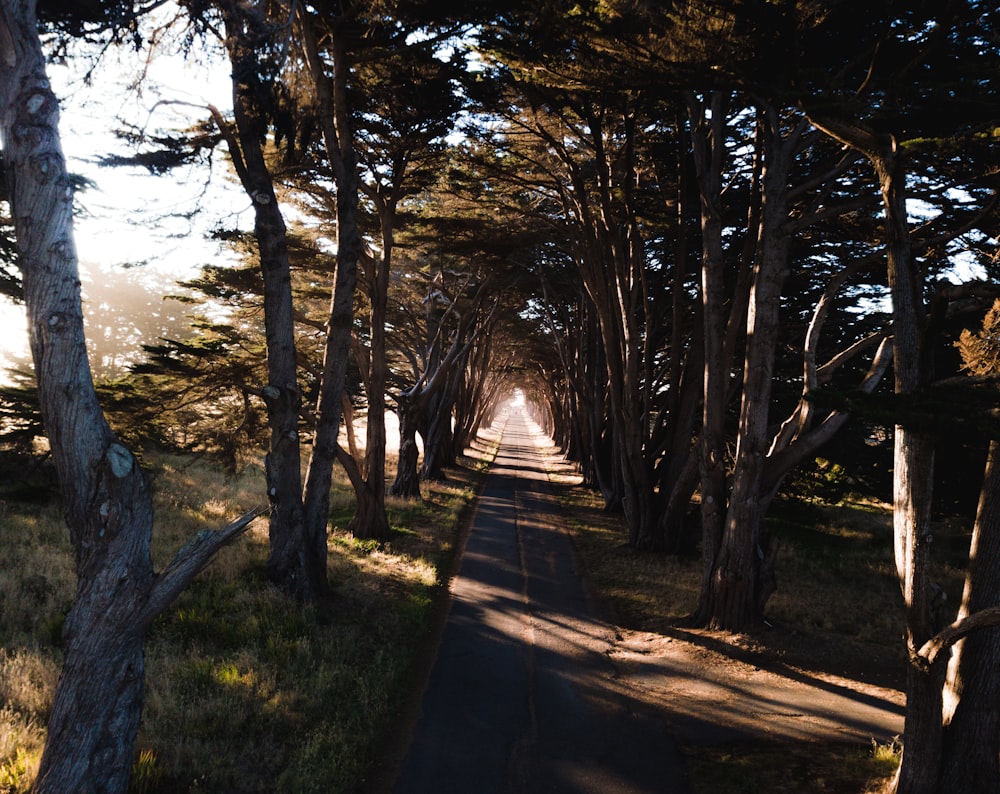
520,697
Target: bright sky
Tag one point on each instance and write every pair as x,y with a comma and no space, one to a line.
108,233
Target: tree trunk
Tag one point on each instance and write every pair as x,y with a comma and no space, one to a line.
913,478
708,158
107,504
913,465
106,499
743,578
370,519
972,732
338,139
98,700
407,482
288,564
439,449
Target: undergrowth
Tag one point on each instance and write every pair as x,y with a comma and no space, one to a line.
246,690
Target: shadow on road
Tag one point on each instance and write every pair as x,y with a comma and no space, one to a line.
532,692
522,697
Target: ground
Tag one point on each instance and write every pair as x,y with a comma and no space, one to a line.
786,710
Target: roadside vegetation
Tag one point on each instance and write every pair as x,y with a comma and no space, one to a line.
837,610
247,690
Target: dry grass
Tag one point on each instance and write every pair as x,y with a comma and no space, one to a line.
245,690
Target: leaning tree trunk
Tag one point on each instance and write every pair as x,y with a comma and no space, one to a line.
972,734
439,446
106,499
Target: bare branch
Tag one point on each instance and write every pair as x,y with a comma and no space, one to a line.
931,650
189,562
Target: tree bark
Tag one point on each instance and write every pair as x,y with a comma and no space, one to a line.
913,478
291,563
913,465
370,519
407,482
107,502
439,447
707,137
742,578
338,137
972,723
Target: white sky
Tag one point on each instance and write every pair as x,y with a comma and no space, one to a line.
109,233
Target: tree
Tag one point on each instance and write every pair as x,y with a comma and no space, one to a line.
972,723
892,131
106,495
401,149
257,40
454,316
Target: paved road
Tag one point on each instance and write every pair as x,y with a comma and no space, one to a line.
519,699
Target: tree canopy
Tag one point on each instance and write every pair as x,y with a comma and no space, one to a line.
697,235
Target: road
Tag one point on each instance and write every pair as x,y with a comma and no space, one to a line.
521,698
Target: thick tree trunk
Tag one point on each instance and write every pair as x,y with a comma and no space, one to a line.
972,733
106,499
439,448
98,700
706,136
370,520
407,482
107,504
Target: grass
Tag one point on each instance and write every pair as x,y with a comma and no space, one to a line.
838,607
792,769
249,692
246,691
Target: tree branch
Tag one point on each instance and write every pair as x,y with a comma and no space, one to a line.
189,562
930,651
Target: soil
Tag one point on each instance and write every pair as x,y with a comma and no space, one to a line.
784,713
779,711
